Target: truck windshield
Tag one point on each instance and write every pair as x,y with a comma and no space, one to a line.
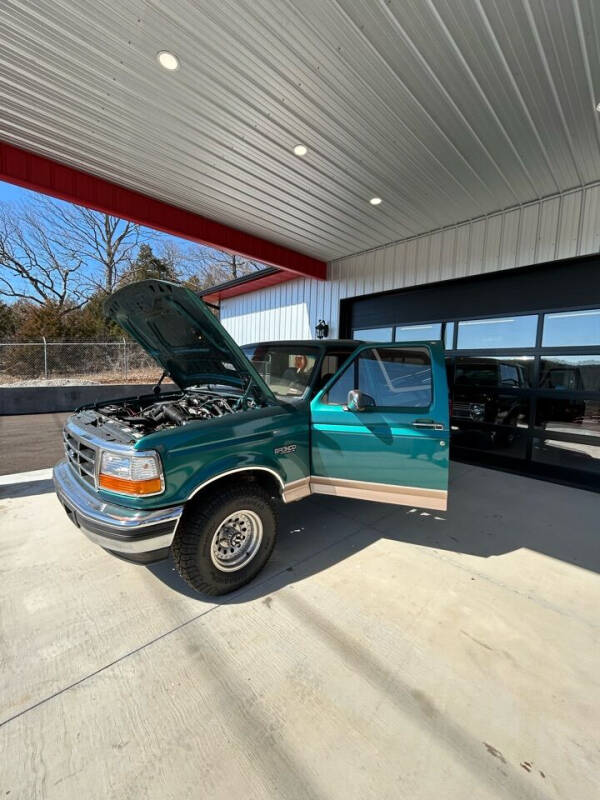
286,369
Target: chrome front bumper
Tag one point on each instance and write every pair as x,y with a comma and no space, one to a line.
129,532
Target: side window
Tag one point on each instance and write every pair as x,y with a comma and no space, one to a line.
338,394
332,361
509,375
398,377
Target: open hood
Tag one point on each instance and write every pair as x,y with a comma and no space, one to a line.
178,330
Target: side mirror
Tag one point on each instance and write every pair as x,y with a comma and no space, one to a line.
358,401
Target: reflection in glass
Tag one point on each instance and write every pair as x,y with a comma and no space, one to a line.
391,377
570,455
449,336
514,372
373,334
493,408
570,373
499,441
394,377
419,333
571,329
478,334
479,406
567,415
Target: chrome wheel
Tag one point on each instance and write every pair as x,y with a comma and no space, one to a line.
236,541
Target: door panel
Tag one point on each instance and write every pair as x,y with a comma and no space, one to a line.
390,452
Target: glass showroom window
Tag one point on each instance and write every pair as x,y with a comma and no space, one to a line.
563,407
581,456
373,334
570,373
419,333
491,404
494,334
572,329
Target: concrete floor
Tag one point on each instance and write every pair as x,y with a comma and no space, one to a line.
385,653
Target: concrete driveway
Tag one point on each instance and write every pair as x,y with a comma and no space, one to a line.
385,653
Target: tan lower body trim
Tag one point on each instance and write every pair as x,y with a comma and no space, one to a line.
436,499
296,490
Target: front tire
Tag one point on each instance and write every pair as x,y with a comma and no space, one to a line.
225,539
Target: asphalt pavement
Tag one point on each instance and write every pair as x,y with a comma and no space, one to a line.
30,441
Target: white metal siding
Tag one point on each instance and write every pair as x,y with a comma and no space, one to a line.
559,227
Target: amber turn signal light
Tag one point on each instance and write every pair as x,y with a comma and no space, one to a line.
125,486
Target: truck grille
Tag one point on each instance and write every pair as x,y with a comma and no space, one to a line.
81,456
462,411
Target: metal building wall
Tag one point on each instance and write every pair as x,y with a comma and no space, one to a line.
561,226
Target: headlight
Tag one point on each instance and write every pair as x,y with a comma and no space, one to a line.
137,474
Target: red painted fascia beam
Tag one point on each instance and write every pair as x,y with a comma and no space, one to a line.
44,175
259,282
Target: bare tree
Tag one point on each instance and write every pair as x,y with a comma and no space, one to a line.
207,267
175,253
200,266
237,265
231,266
36,265
54,252
106,244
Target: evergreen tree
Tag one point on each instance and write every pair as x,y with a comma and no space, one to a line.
148,265
7,321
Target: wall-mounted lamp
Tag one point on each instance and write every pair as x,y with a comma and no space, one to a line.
322,329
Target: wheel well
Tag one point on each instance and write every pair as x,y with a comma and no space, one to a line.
266,480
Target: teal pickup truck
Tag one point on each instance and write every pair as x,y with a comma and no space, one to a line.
199,471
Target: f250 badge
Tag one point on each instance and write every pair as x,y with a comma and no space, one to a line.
282,451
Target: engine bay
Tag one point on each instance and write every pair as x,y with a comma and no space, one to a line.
136,418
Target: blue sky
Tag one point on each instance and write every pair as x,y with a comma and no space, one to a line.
14,195
11,194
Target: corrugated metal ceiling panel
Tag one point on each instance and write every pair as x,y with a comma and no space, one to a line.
448,110
515,238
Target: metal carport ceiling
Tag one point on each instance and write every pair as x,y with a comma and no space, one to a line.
447,109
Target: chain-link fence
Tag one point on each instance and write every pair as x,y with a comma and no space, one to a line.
89,362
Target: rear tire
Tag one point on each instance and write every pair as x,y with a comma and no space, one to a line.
225,539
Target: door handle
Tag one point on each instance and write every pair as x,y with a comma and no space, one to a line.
428,424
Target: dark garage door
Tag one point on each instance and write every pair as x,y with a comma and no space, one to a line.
523,355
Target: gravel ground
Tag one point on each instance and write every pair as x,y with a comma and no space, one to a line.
89,379
49,382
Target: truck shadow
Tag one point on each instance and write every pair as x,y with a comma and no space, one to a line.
490,514
27,489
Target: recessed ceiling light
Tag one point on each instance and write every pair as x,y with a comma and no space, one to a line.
597,106
300,150
375,201
168,60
